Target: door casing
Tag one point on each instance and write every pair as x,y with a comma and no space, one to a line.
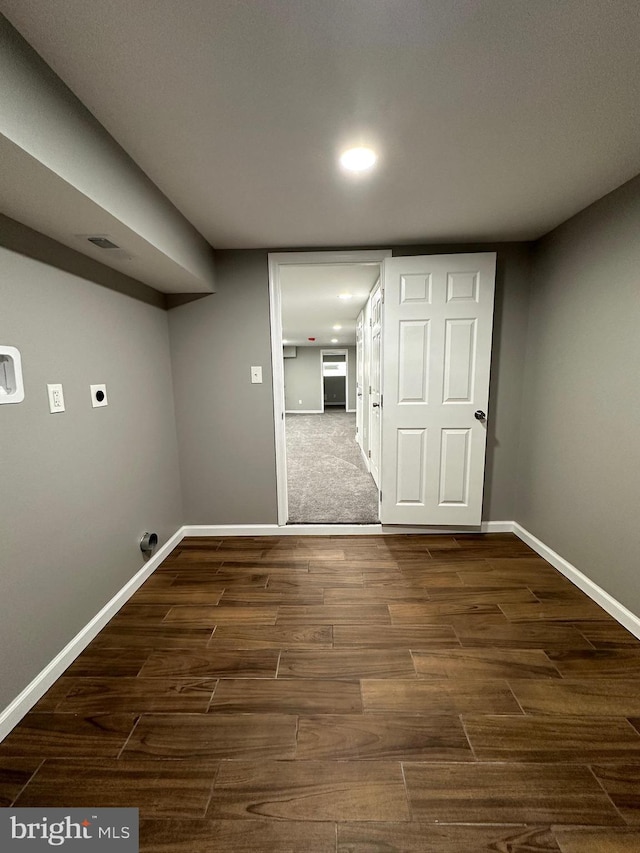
277,260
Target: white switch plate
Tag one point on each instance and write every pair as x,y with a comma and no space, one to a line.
256,375
99,396
56,398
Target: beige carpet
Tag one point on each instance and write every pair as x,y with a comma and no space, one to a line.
326,476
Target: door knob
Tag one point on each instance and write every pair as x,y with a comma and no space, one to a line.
375,405
480,415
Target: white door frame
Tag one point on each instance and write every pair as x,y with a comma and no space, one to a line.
276,261
375,465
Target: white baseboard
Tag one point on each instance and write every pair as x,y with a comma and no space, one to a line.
613,607
22,704
304,412
496,527
336,529
364,456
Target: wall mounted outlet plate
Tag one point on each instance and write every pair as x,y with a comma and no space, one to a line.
99,396
56,398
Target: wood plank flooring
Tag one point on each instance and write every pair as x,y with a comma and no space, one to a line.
423,694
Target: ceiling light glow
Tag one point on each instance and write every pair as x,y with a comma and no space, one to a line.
358,159
336,328
345,296
334,340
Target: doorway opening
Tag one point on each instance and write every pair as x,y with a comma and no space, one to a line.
322,459
333,364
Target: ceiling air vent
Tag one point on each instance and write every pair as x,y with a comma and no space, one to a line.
102,242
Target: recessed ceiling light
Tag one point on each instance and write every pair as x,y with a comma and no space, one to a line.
334,340
345,296
358,159
285,341
336,328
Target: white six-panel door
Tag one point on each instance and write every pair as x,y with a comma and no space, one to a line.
437,326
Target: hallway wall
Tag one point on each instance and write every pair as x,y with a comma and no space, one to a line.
225,424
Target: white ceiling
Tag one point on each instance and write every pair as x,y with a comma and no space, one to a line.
493,119
311,305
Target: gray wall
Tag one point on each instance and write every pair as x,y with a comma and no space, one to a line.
580,459
79,488
225,424
302,380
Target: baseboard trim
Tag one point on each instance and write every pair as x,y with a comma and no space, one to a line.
365,458
22,704
613,607
304,412
496,527
336,529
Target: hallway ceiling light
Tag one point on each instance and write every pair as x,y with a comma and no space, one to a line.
345,296
334,340
336,328
358,159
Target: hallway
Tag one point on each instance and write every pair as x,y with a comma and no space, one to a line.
327,480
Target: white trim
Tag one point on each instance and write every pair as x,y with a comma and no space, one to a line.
22,704
337,529
496,527
277,367
276,260
365,458
304,412
613,607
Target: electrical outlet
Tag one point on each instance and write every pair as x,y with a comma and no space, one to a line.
98,396
56,398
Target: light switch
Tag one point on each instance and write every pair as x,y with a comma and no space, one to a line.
256,375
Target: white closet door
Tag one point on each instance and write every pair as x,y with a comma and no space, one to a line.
437,326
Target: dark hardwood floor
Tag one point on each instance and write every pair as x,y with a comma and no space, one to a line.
436,694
